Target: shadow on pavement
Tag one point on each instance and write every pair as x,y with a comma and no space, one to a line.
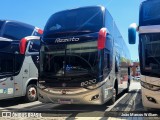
12,102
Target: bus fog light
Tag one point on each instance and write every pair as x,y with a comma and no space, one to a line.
95,97
151,99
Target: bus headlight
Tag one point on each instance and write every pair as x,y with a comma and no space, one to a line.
94,86
150,86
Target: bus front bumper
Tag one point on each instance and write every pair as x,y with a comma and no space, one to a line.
150,99
88,97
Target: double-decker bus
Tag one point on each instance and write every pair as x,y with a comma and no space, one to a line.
83,58
19,57
149,51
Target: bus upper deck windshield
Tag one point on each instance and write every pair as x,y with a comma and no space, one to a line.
149,13
84,19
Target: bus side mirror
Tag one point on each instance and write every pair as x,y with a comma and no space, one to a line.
132,33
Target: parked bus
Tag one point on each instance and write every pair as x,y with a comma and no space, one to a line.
18,60
149,51
83,58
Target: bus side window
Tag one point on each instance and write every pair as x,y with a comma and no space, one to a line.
34,46
33,50
106,59
109,50
6,63
18,62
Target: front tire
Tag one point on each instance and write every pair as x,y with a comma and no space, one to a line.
114,97
31,93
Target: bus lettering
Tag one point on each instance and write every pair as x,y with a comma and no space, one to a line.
59,40
89,82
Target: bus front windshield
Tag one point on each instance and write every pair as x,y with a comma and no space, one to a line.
149,14
150,57
69,59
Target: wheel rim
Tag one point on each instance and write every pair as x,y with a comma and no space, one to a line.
32,93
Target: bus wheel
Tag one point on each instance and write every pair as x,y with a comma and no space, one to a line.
114,97
31,93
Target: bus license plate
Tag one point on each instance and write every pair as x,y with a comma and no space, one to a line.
65,101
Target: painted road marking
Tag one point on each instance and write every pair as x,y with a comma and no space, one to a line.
20,106
112,106
132,87
131,102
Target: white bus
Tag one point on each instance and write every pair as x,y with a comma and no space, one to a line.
19,59
149,51
83,58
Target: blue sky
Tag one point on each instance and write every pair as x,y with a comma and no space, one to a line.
37,12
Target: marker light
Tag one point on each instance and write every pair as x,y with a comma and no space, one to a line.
23,45
102,38
40,31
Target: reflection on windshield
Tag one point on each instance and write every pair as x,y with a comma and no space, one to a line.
77,19
71,59
150,12
151,53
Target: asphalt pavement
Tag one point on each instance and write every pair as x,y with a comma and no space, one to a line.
127,106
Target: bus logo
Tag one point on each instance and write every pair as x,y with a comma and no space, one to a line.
59,40
6,114
68,67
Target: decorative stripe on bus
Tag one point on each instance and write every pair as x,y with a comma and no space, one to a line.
149,29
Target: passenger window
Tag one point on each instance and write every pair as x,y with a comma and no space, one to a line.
109,22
